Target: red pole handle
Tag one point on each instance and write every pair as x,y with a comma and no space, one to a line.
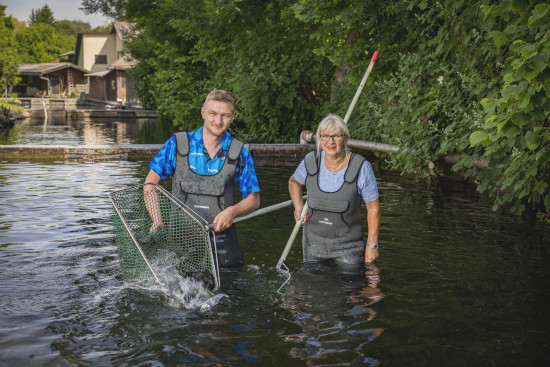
374,57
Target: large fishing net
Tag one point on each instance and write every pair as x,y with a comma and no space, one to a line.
155,233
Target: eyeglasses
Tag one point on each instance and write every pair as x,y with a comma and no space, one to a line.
334,137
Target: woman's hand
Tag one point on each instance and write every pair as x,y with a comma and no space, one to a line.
370,254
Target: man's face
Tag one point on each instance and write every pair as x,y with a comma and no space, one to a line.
217,117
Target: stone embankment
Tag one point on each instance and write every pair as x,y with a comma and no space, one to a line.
8,117
281,154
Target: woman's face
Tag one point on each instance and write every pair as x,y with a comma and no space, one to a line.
333,142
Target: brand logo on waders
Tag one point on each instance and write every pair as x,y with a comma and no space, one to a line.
201,206
325,221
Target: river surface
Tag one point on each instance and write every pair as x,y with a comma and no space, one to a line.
455,284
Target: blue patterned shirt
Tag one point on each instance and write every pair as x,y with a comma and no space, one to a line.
200,162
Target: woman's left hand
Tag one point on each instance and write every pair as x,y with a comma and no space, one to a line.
370,254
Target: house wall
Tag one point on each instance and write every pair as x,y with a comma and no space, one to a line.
121,84
97,44
31,86
119,45
98,88
111,80
104,88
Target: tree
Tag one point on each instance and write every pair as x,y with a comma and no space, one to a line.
18,25
258,52
71,27
42,15
9,57
102,28
40,43
516,137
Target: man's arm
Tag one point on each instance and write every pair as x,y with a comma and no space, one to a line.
246,206
151,200
373,220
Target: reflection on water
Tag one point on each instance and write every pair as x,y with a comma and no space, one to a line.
89,132
334,311
455,284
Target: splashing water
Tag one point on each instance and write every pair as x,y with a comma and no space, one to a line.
186,292
180,290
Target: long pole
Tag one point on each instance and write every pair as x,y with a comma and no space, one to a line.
255,213
348,114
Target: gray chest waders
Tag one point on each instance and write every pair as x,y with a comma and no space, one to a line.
333,230
209,195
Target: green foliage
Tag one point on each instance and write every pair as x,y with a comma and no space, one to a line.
41,43
71,27
187,48
42,15
516,136
9,57
11,105
435,64
102,28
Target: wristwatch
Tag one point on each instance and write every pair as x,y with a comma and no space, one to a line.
373,245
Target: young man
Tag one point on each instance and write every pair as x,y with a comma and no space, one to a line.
204,164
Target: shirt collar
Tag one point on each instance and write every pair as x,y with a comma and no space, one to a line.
196,139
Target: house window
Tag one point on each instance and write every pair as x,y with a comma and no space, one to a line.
101,59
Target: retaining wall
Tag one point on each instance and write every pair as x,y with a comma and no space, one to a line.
280,154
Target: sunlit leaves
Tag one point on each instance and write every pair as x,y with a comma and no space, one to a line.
479,137
499,38
520,150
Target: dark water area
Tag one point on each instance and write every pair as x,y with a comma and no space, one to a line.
455,284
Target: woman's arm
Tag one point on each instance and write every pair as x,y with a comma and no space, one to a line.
295,190
373,220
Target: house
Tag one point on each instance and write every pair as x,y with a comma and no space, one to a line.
52,78
98,68
102,54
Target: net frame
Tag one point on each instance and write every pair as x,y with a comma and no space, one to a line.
182,241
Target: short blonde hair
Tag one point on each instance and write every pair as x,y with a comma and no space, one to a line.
331,122
219,95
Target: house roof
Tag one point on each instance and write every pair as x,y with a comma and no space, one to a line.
46,68
66,54
123,29
99,73
122,64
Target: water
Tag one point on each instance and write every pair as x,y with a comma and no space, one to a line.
455,284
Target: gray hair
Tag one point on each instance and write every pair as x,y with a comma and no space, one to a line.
331,122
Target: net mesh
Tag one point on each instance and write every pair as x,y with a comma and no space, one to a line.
155,233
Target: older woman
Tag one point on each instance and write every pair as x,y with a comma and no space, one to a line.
336,181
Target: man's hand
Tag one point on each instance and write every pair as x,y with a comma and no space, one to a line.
224,219
156,226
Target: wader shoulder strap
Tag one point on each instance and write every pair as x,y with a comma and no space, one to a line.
182,143
355,163
312,164
234,150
